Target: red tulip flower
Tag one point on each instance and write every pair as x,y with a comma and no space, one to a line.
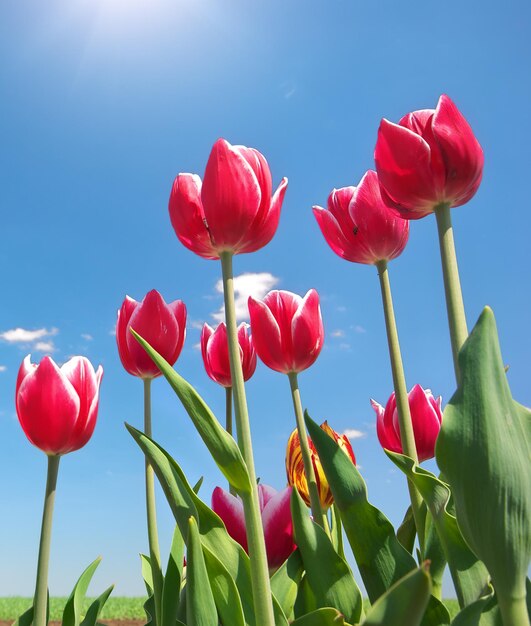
295,466
215,352
426,417
162,325
430,157
359,226
57,406
276,521
287,330
233,209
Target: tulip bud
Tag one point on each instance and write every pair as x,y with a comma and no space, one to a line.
276,521
287,330
430,157
162,325
426,417
215,352
359,226
295,465
233,209
57,406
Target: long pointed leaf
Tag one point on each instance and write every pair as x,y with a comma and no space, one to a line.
226,596
200,605
172,579
74,604
94,610
321,617
285,582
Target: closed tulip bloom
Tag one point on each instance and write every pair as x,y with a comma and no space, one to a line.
215,352
57,407
426,417
295,465
162,325
359,226
233,209
276,521
429,158
287,330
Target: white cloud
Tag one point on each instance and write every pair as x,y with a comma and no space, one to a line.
360,329
22,335
344,346
337,333
87,337
3,368
197,324
354,433
245,285
44,346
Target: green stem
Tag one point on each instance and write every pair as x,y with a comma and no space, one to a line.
253,521
514,610
452,286
151,510
228,421
40,602
319,515
407,436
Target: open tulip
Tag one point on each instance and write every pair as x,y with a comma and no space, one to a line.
426,417
57,406
359,226
215,352
233,209
276,520
431,157
287,330
295,465
162,325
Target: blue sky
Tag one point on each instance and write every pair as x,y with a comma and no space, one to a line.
104,102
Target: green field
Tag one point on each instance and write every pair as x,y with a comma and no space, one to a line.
116,608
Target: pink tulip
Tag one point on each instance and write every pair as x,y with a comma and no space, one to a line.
233,209
276,521
57,407
162,325
287,330
426,416
215,351
430,157
359,226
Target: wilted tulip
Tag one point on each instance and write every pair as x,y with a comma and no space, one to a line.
215,352
233,209
276,521
287,330
359,226
295,465
429,158
162,325
426,417
57,406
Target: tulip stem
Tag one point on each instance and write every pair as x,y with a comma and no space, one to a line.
151,510
452,285
319,515
407,436
514,609
253,521
228,422
40,602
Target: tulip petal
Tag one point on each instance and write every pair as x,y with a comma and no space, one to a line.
178,308
278,528
230,510
335,235
384,427
124,315
47,407
426,422
307,332
266,336
188,217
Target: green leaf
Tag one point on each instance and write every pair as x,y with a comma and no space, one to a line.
407,531
94,610
147,575
434,553
404,603
74,604
469,575
381,558
226,596
198,484
221,445
328,575
321,617
172,580
200,605
184,504
483,451
285,582
26,619
336,531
